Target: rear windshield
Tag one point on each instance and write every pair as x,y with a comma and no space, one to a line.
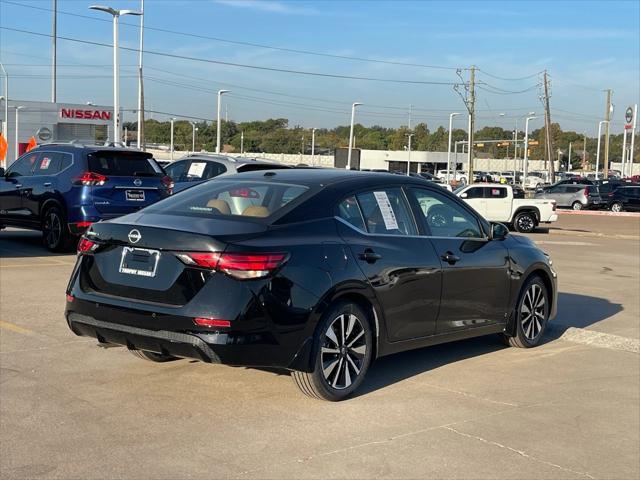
124,164
252,167
226,198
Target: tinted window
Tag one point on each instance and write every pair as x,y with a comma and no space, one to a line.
51,163
123,164
444,217
574,188
386,212
176,170
558,189
349,211
23,166
496,192
475,192
248,199
214,169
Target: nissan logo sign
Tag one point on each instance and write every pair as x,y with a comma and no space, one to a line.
134,236
137,182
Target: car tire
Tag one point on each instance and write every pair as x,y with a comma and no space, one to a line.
529,328
55,232
577,206
152,356
525,222
341,354
617,207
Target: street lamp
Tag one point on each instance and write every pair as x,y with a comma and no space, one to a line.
116,14
219,131
409,137
17,144
313,145
5,124
451,115
194,129
526,151
602,122
242,142
353,116
171,148
515,148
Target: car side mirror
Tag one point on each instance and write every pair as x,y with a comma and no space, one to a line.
2,172
499,231
463,195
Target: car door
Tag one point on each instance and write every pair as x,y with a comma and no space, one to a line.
401,267
475,270
11,189
40,184
633,198
559,194
498,206
475,197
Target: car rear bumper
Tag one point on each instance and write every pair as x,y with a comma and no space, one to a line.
161,341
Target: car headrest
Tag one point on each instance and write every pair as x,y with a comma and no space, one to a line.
256,211
220,205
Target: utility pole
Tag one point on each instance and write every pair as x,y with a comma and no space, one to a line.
140,129
607,117
584,153
547,127
469,99
54,50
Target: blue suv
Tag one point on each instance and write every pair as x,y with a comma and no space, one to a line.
61,189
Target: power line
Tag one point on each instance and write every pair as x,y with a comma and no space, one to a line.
232,64
245,44
516,79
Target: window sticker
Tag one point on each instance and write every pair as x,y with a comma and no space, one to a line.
388,216
196,169
44,164
495,192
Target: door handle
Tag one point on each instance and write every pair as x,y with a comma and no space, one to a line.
450,258
370,256
46,184
18,185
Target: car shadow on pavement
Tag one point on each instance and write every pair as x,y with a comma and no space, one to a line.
15,243
580,311
574,310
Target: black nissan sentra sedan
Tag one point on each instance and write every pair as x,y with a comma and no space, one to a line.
316,271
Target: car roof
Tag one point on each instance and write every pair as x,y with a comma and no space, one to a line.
327,176
92,147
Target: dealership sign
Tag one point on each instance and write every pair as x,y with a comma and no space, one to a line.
82,114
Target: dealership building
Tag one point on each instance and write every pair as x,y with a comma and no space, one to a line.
47,122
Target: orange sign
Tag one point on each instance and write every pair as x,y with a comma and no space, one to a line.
32,144
3,148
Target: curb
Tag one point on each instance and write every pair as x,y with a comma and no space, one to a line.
578,233
596,339
598,213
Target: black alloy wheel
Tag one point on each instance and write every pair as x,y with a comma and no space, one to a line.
525,222
342,354
55,233
532,314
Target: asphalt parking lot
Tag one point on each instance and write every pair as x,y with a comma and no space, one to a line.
473,409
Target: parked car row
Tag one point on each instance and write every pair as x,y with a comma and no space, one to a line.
581,193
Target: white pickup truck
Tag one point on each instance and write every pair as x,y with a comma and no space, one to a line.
496,203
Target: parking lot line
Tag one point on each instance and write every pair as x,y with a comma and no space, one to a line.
15,328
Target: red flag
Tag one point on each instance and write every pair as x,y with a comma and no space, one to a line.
3,148
32,144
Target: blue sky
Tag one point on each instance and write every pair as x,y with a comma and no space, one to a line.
586,47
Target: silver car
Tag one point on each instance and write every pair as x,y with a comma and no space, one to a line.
573,196
194,169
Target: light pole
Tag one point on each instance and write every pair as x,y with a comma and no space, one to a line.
171,147
602,122
116,14
242,142
140,100
451,115
313,146
194,129
218,126
409,137
5,124
353,116
526,151
17,144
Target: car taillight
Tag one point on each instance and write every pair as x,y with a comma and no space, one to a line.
211,322
90,178
86,246
586,191
239,265
167,181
